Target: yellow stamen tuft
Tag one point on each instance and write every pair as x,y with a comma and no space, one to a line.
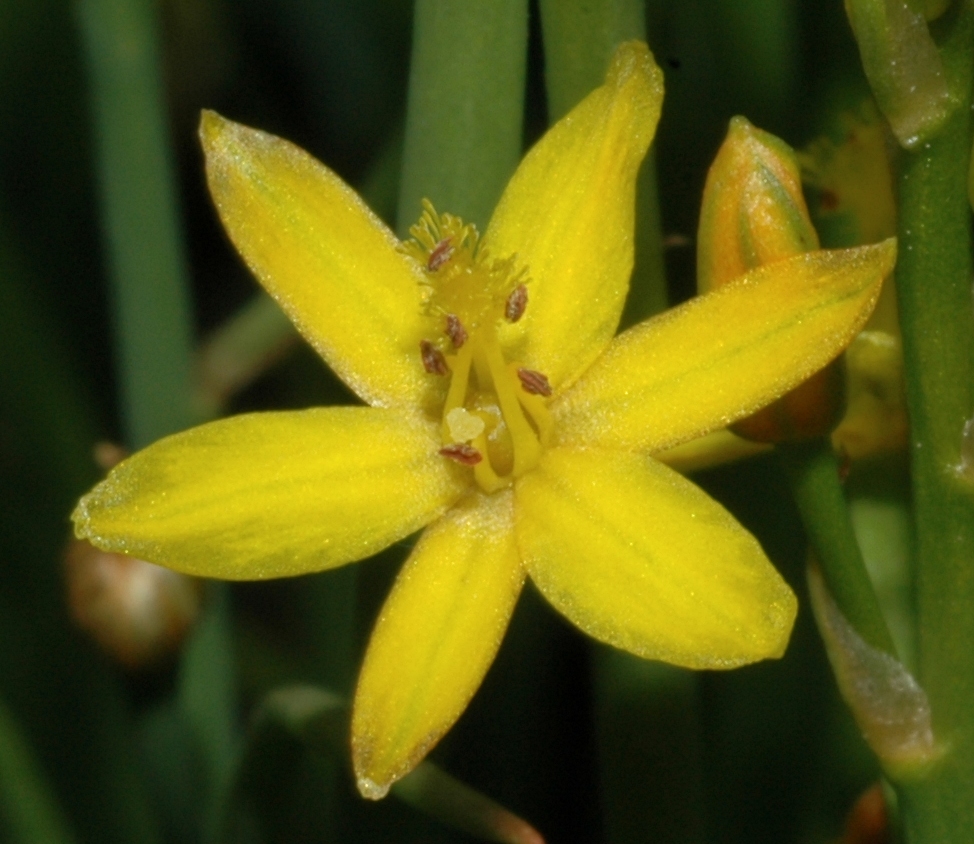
465,283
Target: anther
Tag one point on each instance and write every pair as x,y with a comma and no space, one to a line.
462,453
516,303
441,253
433,361
455,330
534,382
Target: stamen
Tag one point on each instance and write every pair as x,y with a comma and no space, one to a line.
484,473
433,361
527,449
534,382
462,453
441,253
455,330
516,303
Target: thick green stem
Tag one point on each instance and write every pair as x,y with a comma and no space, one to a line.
145,252
465,109
813,473
933,279
579,40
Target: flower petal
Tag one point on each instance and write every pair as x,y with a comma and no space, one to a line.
639,557
331,264
568,214
435,639
273,494
724,355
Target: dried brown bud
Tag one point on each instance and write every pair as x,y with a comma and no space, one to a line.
138,612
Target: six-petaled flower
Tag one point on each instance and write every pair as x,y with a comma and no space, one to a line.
502,416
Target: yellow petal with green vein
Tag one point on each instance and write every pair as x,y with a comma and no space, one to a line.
568,214
640,558
331,264
435,639
274,494
726,354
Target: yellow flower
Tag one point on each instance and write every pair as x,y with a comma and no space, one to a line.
456,343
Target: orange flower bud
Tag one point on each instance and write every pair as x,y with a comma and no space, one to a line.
868,822
753,210
753,214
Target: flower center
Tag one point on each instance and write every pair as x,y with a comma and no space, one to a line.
494,418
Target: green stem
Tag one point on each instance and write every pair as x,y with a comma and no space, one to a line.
252,340
206,693
96,769
759,57
579,39
933,279
813,473
465,108
149,278
143,244
29,811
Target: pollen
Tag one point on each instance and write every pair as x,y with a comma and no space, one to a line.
463,425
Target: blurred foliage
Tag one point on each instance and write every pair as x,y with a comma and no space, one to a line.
774,756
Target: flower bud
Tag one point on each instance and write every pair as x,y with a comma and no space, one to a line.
753,214
868,822
753,210
138,612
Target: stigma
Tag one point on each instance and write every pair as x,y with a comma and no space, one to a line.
495,421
